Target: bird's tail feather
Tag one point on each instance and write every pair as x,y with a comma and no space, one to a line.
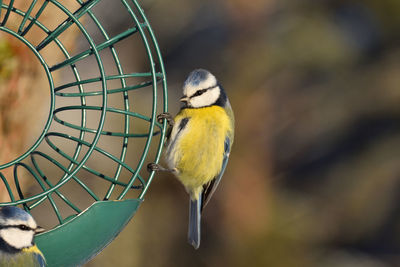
194,222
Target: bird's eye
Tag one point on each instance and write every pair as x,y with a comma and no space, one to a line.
23,227
200,92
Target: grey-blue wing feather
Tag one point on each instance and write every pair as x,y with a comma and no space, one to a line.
40,260
210,188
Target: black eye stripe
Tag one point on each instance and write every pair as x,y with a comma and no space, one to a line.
202,91
20,226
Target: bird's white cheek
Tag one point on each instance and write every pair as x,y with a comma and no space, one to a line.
17,238
206,99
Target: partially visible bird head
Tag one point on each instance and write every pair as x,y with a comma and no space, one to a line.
201,89
17,227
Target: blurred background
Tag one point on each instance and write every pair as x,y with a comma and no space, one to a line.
313,178
314,175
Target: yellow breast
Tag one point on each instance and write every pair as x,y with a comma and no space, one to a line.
199,149
26,257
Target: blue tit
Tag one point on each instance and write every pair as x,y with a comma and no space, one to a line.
199,143
17,230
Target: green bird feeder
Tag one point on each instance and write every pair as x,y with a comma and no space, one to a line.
83,178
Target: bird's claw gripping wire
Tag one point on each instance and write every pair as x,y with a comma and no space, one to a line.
157,167
167,116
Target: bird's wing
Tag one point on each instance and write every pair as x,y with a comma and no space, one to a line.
167,134
209,189
40,259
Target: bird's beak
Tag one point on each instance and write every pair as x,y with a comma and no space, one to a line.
39,230
184,99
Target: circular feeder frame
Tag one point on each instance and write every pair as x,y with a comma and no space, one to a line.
92,124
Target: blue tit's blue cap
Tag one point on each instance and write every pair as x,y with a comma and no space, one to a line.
14,212
196,77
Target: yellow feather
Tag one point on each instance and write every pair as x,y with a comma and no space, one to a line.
32,249
24,258
198,152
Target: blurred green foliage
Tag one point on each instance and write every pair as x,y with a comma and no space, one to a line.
7,59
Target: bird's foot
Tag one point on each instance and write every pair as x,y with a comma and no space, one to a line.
158,168
167,116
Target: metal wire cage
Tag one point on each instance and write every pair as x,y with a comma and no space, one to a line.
83,175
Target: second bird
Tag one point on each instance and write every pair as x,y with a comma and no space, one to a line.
17,230
199,143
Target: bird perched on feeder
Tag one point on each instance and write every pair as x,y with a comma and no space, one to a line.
17,229
199,143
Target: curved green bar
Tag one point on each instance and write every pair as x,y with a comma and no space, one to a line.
83,237
78,238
